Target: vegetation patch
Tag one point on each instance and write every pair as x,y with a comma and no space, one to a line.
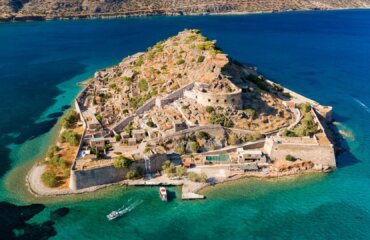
70,137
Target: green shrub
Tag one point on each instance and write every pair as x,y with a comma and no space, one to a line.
180,171
180,61
259,81
122,162
52,151
290,158
70,119
180,150
58,162
143,85
233,139
203,178
200,59
118,137
99,118
207,45
49,178
168,168
220,119
194,147
127,80
66,172
202,135
166,164
113,86
210,109
151,124
131,174
305,107
250,112
70,137
198,178
139,62
193,177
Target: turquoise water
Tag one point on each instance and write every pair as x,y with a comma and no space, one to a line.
323,55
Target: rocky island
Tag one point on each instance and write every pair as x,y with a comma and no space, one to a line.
29,10
183,113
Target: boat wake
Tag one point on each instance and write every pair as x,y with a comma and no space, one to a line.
123,210
363,105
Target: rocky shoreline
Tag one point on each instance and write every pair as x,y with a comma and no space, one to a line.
190,190
16,17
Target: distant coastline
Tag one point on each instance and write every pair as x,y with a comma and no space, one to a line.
128,14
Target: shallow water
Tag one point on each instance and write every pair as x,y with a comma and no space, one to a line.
323,55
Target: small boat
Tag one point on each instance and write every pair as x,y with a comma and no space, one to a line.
115,214
122,211
163,194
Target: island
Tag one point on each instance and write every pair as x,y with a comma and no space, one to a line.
183,113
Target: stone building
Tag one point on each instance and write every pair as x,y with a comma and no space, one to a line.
201,94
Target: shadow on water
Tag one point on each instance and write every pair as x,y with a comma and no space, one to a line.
14,225
55,115
65,107
171,195
22,102
344,156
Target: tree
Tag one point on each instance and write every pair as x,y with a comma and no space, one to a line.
70,137
132,173
180,171
233,139
193,177
52,151
194,147
49,178
166,165
122,162
203,177
180,150
118,137
70,119
168,168
58,162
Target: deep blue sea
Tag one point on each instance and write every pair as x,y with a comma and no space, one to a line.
324,55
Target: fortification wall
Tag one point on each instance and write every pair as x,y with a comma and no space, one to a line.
174,96
213,130
148,105
317,154
118,128
233,99
109,174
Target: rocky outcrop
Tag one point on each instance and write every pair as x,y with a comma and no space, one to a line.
22,10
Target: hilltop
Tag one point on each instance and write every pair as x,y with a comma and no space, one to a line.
21,10
224,88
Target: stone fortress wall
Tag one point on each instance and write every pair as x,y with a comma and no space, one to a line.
80,179
151,103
